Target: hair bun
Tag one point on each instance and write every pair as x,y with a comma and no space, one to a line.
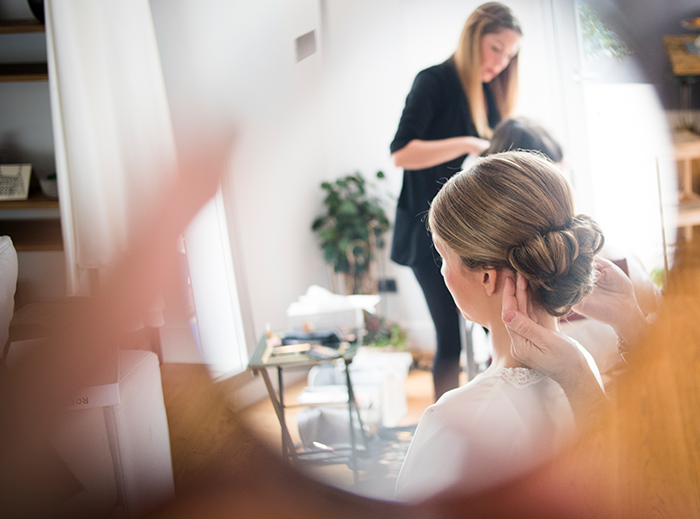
558,264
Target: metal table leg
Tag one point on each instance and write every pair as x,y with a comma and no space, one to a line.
288,450
352,405
351,400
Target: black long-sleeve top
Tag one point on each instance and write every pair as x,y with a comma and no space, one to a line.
436,108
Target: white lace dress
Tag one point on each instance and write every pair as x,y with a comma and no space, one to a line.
496,427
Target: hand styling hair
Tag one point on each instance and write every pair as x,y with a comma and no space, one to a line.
521,133
515,210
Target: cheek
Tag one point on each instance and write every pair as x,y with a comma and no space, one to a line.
484,56
489,55
453,281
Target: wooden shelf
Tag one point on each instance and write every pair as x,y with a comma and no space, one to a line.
20,26
683,63
31,234
36,200
33,224
689,211
24,72
34,235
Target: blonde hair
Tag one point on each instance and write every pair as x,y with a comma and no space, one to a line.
488,18
515,210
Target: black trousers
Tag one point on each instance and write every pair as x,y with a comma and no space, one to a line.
445,315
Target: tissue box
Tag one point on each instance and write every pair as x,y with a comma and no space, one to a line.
344,319
321,309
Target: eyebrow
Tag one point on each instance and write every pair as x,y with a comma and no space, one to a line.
501,43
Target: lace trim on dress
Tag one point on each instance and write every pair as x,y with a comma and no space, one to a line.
519,377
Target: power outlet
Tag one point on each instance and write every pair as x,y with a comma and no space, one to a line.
387,285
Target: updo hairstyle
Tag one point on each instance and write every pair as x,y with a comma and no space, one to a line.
515,210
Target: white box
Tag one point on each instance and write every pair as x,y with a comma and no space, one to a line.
351,319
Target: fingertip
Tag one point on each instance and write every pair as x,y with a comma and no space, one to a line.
509,286
508,317
522,280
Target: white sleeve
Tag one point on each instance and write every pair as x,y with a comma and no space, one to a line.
474,442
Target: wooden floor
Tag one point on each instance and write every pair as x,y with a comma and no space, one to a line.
419,395
197,432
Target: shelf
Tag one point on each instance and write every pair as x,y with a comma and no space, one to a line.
33,224
36,200
689,213
24,72
20,26
34,235
682,62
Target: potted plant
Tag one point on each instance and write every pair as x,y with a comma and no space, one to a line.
351,230
382,334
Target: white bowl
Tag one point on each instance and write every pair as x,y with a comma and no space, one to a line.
49,187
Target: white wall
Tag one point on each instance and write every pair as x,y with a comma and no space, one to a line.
234,62
631,157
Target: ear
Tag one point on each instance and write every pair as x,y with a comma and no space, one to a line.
489,280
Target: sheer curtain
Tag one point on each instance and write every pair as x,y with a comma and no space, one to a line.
115,146
113,136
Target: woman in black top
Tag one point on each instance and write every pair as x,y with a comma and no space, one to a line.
449,114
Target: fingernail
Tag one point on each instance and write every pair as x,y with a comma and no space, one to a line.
509,316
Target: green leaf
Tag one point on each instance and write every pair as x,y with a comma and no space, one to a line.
329,234
347,207
318,223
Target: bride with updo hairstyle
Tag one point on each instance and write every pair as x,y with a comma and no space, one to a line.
509,213
516,211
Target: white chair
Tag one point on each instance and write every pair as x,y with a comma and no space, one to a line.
120,453
8,285
118,449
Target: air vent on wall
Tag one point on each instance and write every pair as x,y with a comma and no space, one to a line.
306,45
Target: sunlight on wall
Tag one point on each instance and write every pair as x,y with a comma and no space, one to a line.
214,291
628,134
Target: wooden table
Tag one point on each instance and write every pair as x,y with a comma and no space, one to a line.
687,148
685,67
683,63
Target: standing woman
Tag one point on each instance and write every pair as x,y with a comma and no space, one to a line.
450,113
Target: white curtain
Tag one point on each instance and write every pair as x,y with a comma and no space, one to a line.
113,135
115,146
